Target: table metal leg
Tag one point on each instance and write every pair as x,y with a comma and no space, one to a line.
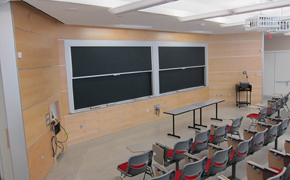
193,122
216,113
173,129
200,124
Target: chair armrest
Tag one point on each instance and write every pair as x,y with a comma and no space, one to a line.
160,168
275,119
262,167
119,178
163,146
190,156
235,139
222,177
215,146
250,131
277,152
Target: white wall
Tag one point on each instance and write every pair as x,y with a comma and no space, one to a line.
12,102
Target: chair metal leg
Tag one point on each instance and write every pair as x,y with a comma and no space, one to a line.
144,176
177,166
233,177
239,134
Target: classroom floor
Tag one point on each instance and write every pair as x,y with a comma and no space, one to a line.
98,158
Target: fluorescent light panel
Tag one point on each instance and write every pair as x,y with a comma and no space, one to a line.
287,34
232,24
241,10
201,32
133,26
137,6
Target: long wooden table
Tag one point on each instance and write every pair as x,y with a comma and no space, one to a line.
193,107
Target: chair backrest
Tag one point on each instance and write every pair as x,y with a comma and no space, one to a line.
139,163
180,148
219,161
273,109
219,134
279,176
279,104
236,125
193,170
201,141
168,176
241,151
264,112
258,141
271,134
287,173
283,127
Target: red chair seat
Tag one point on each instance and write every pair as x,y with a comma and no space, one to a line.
229,128
170,153
215,163
123,166
178,173
253,115
192,145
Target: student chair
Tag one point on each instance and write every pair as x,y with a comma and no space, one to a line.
281,129
192,171
217,134
260,117
234,128
277,160
271,132
177,153
200,142
239,152
137,164
286,98
168,176
278,108
258,139
218,162
258,172
272,109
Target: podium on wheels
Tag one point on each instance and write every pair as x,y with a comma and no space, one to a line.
243,87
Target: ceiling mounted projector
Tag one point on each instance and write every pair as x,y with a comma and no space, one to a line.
137,6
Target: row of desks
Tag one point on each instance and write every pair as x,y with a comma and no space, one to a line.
193,107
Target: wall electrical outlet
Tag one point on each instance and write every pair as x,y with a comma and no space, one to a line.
81,126
221,95
42,157
192,99
217,95
163,106
230,94
19,54
47,121
120,117
147,110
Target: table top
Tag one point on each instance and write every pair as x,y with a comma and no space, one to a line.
193,107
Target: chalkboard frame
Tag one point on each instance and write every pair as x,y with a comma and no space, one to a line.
154,61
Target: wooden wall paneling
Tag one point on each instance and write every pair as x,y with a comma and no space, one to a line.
63,78
236,37
37,50
233,78
41,148
223,49
61,52
99,33
38,84
46,170
104,121
34,122
235,64
30,19
64,103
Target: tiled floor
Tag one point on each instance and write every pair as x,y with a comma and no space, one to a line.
98,158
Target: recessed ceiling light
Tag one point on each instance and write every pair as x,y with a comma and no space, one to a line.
232,24
71,9
132,26
201,32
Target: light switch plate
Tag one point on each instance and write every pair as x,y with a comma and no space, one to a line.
47,121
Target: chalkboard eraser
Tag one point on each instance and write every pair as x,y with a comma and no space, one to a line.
93,107
152,96
110,104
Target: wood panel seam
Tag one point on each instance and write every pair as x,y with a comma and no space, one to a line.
38,139
41,101
36,33
235,41
40,67
215,72
235,56
51,161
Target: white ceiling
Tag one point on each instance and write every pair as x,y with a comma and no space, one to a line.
162,17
